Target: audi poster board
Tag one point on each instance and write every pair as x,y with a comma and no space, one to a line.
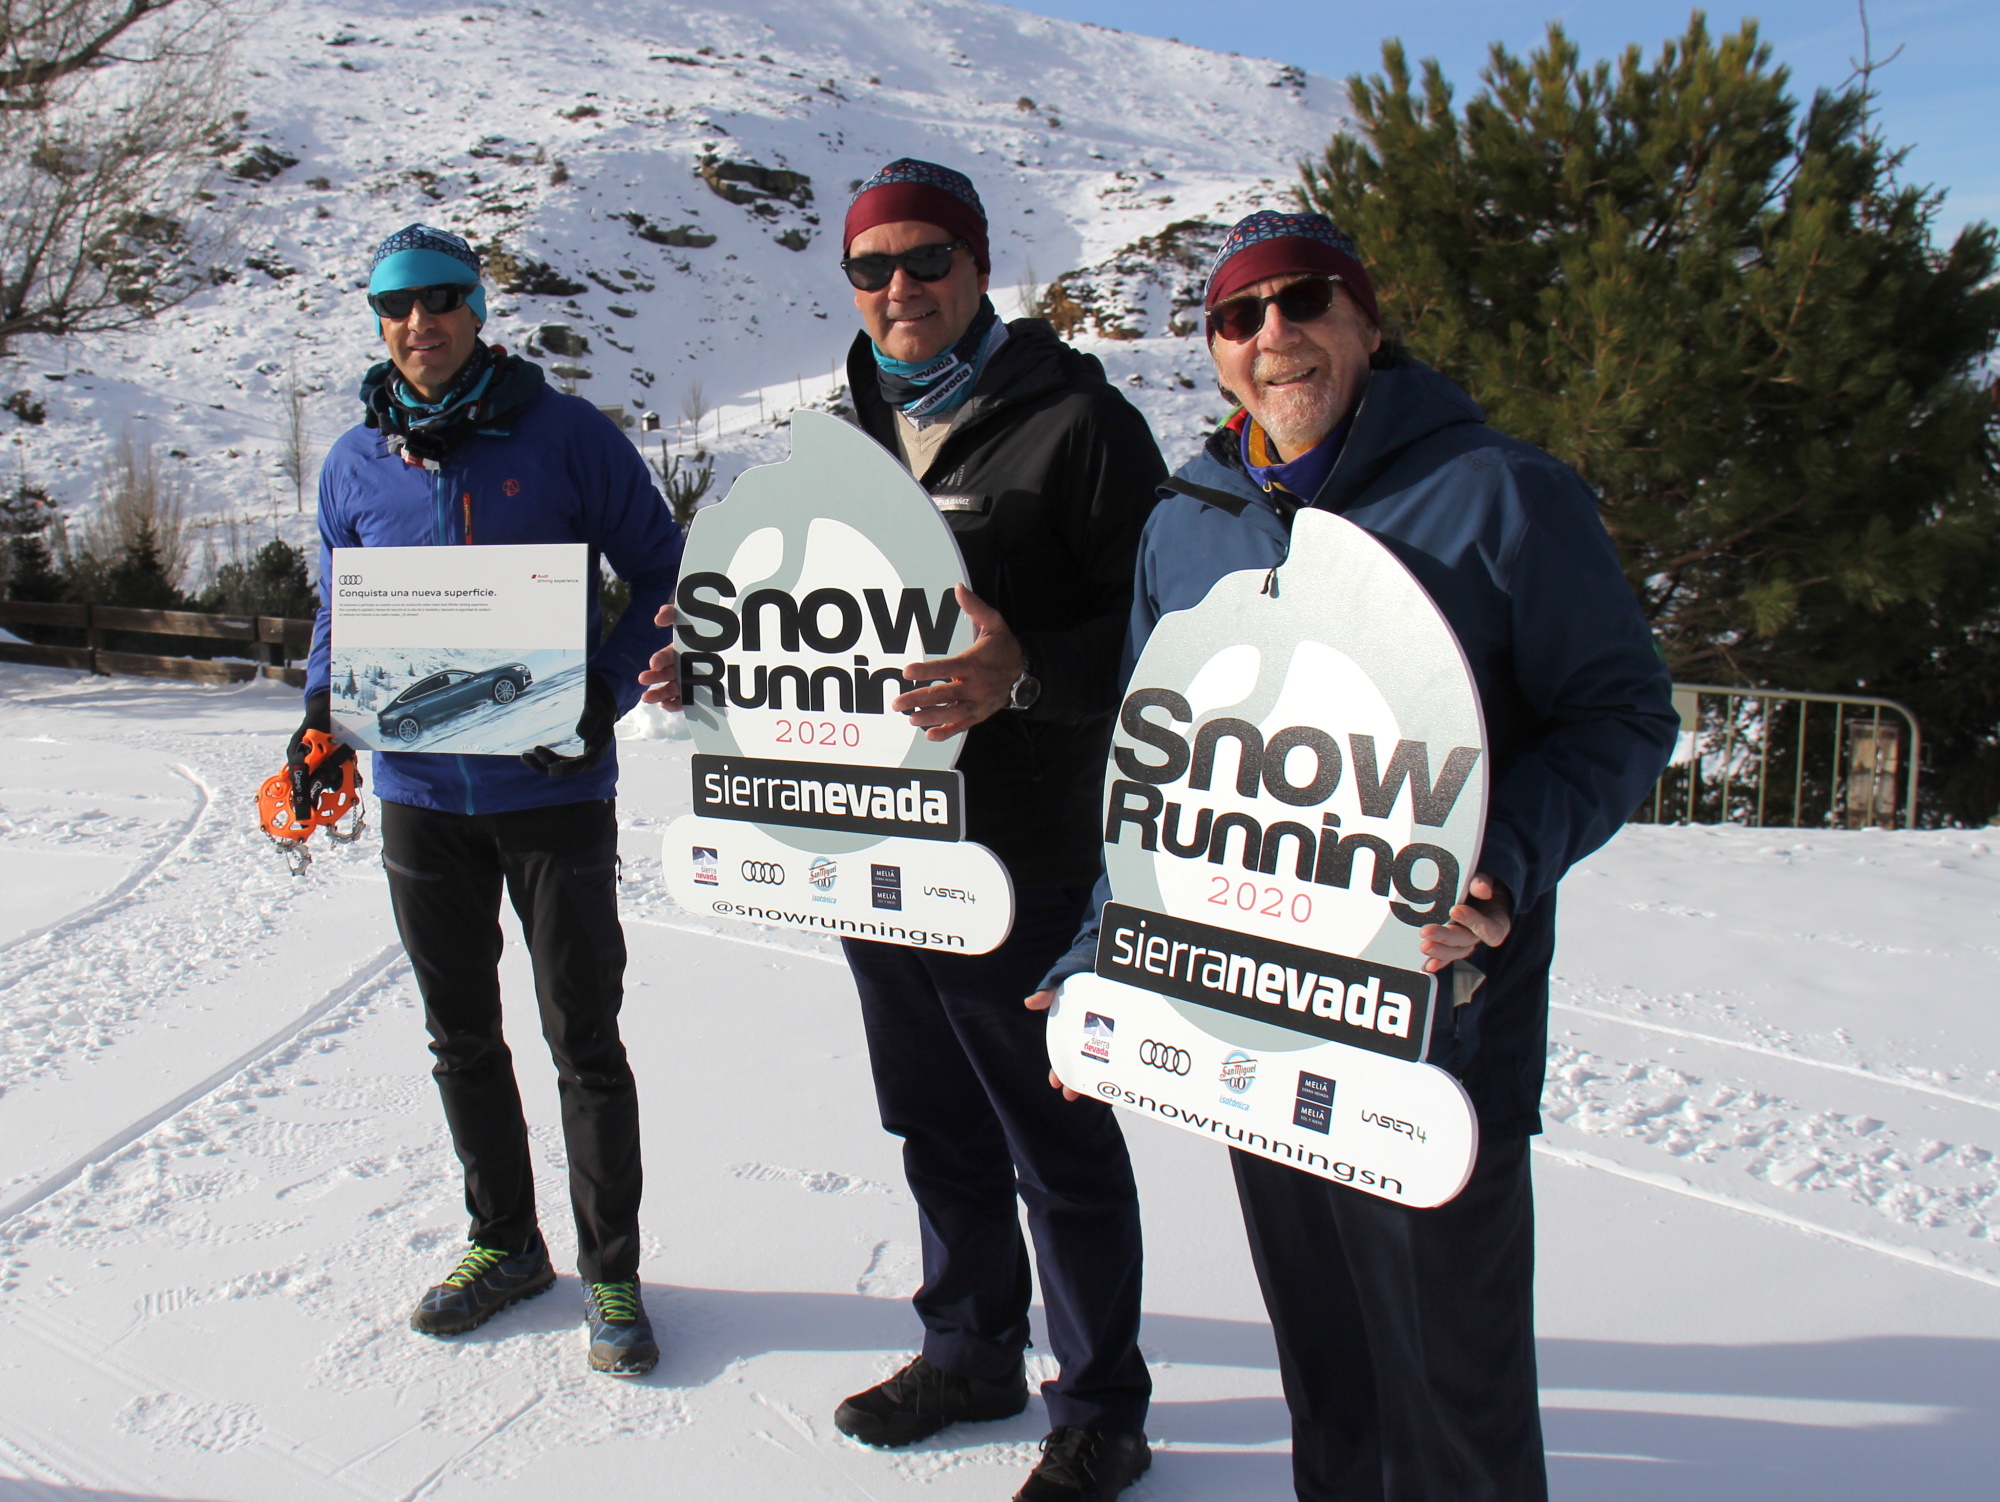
477,651
802,596
1296,786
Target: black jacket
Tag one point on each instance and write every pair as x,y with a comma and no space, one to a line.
1046,478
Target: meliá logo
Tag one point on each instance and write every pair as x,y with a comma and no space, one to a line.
885,887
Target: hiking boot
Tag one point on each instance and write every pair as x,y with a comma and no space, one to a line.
484,1282
621,1337
921,1399
1085,1465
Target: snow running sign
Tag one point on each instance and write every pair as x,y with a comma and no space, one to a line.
801,599
1296,787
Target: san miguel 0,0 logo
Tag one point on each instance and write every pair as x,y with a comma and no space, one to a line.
1296,787
801,599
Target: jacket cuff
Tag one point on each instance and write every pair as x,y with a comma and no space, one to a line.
1501,856
1081,957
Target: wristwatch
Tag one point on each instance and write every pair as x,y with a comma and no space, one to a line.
1026,689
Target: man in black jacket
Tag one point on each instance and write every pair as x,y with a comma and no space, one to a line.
1046,476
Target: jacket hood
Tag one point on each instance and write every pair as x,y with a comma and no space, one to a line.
1404,405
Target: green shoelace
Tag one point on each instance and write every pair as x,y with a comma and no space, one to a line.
617,1303
476,1263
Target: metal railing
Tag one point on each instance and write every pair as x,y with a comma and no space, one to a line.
1737,751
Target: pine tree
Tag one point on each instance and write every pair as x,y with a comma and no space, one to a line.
28,566
272,581
1729,315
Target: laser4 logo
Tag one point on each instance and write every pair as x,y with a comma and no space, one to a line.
1296,787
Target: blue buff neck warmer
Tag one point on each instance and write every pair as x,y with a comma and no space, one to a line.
492,385
926,390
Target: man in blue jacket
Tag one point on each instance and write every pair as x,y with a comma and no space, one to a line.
1406,1336
462,444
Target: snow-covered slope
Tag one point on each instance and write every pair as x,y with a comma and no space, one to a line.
1768,1196
573,138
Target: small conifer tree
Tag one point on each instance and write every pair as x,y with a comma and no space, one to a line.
1731,318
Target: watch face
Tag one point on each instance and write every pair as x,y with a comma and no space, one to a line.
1025,691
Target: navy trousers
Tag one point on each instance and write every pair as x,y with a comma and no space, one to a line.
1406,1338
962,1076
559,865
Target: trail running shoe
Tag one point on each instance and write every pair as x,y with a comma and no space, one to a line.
922,1399
1085,1465
621,1337
484,1282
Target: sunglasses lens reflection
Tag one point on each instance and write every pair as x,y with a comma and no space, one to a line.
1241,317
396,305
927,263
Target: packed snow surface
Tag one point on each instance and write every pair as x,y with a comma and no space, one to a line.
1768,1193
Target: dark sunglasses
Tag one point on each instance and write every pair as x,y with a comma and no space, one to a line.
927,263
395,306
1241,317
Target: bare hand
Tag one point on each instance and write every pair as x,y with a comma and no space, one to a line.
1485,917
961,691
663,674
1041,1001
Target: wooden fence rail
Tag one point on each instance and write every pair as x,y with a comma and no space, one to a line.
267,639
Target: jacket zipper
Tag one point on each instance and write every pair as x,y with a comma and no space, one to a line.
440,491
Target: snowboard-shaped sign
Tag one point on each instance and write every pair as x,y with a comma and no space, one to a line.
801,599
1297,785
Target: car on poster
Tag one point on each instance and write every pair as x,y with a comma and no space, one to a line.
442,696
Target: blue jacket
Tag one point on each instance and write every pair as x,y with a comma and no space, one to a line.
1579,717
554,470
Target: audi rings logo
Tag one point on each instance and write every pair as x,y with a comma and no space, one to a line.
1161,1056
765,873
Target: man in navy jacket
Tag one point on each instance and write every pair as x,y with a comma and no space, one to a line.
1406,1336
462,444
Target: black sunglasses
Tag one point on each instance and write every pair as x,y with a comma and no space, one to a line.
927,263
1241,317
395,306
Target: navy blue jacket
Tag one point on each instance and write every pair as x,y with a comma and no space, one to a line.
553,470
1507,542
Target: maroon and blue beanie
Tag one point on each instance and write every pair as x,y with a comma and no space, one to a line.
419,256
908,189
1269,244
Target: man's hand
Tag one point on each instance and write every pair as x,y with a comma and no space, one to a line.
1485,917
663,674
961,691
595,727
1041,1001
308,784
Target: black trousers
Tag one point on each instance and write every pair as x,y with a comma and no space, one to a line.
559,866
1406,1338
962,1076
